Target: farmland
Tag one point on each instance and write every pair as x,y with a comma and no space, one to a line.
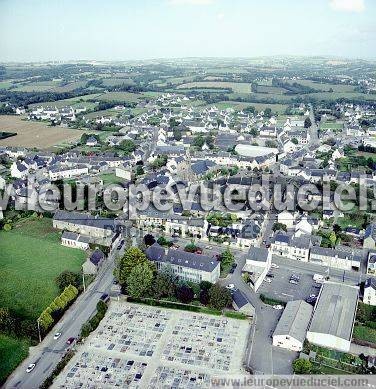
237,87
31,257
35,134
120,96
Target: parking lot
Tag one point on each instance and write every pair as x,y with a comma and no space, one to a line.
280,287
140,346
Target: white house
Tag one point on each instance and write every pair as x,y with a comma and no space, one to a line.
18,170
123,172
257,265
291,329
71,239
369,296
287,218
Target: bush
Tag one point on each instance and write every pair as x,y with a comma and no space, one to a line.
302,366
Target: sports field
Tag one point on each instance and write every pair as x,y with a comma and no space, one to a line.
31,257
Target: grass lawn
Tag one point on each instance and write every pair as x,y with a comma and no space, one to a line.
31,257
364,333
110,178
12,352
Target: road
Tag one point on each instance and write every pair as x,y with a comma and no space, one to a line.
49,352
313,130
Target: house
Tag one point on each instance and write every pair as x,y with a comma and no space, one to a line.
369,296
292,247
94,262
370,237
186,266
91,141
291,329
71,239
287,218
61,172
257,265
123,172
241,304
334,316
97,228
341,257
18,170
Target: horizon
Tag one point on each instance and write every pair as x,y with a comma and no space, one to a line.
171,29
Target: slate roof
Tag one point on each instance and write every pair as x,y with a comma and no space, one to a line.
96,257
85,220
294,320
259,254
239,299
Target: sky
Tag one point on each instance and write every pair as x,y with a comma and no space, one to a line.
116,30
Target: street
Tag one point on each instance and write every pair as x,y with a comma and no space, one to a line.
49,352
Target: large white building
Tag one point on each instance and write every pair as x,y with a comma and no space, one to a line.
186,266
257,265
334,315
291,329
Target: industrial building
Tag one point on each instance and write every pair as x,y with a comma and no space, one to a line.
291,329
334,315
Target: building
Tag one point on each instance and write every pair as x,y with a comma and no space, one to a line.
71,239
123,172
291,329
96,228
370,237
371,263
186,266
241,304
340,258
93,263
369,296
333,319
257,265
292,247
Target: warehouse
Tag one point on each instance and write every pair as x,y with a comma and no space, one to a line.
334,315
291,329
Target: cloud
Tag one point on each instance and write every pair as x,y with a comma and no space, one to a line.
347,5
190,2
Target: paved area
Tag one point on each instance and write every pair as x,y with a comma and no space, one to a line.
140,346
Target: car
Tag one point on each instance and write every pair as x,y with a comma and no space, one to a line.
264,241
293,282
198,251
104,297
231,271
317,286
278,307
234,265
270,275
70,340
274,266
313,296
268,280
208,247
230,287
30,368
310,300
57,335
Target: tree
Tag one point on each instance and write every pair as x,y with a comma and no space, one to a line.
184,294
279,226
127,146
219,297
302,366
267,112
149,239
204,297
333,239
307,122
67,278
295,141
165,283
227,259
131,258
140,280
139,170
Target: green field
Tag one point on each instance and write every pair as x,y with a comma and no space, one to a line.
364,333
74,101
237,87
119,96
31,257
238,106
324,86
12,352
331,126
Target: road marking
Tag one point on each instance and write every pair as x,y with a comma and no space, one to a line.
288,295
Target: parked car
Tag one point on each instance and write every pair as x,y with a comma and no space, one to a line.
274,266
230,286
30,368
57,335
105,297
270,275
313,296
278,307
268,280
292,281
70,340
208,247
310,300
